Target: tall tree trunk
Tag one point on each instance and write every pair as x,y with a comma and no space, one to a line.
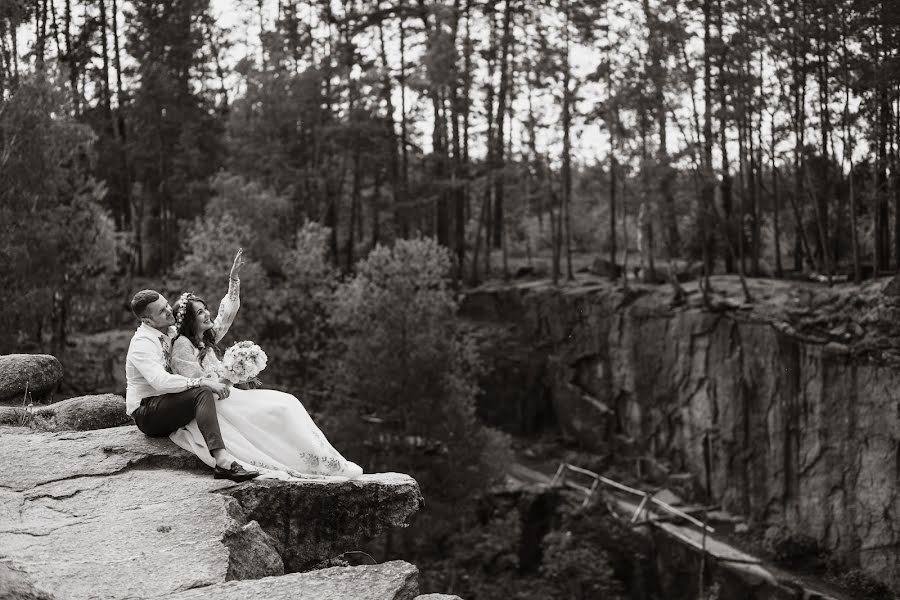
645,218
776,208
894,184
467,105
481,227
376,206
502,93
3,60
848,150
555,228
613,168
438,136
753,183
402,214
656,68
224,103
567,150
882,238
490,141
457,167
355,193
120,136
724,104
798,90
72,64
394,160
536,200
825,128
55,27
740,120
707,194
104,53
40,33
15,56
118,60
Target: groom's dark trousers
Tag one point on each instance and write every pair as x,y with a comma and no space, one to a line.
158,416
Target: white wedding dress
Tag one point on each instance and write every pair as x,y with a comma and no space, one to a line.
267,429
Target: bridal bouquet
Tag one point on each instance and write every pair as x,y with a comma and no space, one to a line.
243,362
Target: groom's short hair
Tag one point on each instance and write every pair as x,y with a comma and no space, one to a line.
141,300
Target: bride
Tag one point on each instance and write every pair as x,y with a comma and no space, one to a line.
265,428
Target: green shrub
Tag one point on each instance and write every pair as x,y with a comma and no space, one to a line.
405,365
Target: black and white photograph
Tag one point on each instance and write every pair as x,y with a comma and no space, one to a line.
450,299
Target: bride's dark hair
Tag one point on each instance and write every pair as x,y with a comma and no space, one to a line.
205,343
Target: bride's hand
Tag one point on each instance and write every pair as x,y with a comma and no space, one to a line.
215,387
238,263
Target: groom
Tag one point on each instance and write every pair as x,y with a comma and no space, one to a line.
161,402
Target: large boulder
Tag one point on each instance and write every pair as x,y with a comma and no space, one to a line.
84,413
75,414
113,513
38,373
395,580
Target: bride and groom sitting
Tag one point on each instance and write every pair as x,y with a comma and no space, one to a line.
176,388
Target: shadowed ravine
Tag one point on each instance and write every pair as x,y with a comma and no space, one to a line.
785,411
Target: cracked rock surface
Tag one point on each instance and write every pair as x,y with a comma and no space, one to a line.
395,580
785,410
115,514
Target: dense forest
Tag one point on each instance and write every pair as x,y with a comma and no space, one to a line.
755,137
373,156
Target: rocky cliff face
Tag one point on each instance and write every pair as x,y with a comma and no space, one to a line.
115,514
786,410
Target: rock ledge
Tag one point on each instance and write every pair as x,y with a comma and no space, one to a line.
115,514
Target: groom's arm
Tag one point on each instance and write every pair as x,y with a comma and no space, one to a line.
145,358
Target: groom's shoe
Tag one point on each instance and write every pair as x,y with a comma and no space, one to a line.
235,473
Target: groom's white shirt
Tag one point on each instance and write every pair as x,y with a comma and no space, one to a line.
145,368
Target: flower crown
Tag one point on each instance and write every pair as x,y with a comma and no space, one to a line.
180,308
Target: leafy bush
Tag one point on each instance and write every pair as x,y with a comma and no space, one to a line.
863,585
210,246
264,212
578,571
284,307
406,366
300,306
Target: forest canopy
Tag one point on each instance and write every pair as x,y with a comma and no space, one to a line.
752,137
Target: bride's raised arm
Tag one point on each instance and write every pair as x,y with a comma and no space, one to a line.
230,304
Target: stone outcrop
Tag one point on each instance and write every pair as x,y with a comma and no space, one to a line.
38,373
343,511
115,514
395,580
75,414
785,410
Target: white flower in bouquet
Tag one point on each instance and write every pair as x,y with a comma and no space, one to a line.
243,362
